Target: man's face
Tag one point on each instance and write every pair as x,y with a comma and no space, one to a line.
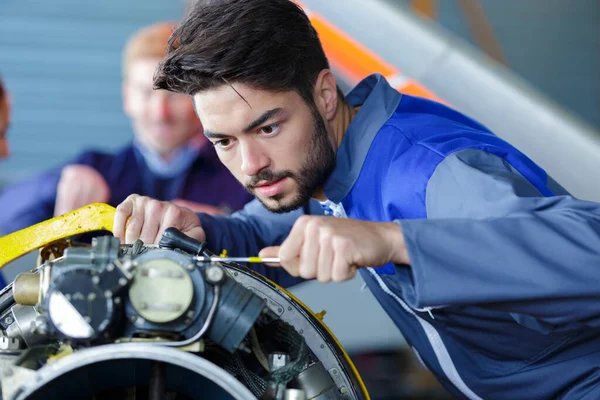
162,120
4,123
273,143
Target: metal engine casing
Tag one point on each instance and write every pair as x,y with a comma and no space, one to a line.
118,292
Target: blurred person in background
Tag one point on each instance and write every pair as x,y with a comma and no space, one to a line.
4,121
4,124
169,158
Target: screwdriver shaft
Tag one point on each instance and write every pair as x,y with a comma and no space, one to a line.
238,259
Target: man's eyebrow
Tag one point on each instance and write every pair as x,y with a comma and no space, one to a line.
267,115
214,135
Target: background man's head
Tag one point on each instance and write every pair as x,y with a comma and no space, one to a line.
262,87
162,120
4,121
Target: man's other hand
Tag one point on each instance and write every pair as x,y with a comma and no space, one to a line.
140,217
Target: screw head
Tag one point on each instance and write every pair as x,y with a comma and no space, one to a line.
9,320
215,274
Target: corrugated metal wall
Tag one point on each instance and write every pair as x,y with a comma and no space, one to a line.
61,61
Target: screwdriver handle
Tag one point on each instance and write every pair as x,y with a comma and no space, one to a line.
173,238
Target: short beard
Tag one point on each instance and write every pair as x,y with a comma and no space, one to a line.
316,168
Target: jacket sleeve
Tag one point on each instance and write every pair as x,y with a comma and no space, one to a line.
28,202
32,200
251,229
492,239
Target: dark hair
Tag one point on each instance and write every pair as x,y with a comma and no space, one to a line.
267,44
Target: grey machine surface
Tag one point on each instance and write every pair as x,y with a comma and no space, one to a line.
110,321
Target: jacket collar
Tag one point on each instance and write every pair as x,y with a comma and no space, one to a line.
379,101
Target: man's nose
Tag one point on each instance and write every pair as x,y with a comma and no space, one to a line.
254,158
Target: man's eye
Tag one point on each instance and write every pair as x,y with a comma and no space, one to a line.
223,143
269,129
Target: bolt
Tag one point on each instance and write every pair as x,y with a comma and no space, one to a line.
190,313
191,267
322,346
289,308
335,371
95,280
123,281
92,296
117,300
132,318
302,331
68,296
235,274
215,274
280,310
9,320
107,294
110,267
88,319
343,390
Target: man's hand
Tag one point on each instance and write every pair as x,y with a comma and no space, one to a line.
140,217
330,249
198,207
78,186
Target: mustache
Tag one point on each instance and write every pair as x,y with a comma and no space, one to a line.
269,176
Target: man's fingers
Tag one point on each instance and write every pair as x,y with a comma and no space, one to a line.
290,249
124,211
151,225
309,254
270,252
325,262
341,269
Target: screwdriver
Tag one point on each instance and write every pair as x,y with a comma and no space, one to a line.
274,260
174,238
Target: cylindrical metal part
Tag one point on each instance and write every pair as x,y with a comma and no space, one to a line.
157,390
26,289
315,380
294,394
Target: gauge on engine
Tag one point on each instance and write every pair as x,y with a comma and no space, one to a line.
162,290
77,305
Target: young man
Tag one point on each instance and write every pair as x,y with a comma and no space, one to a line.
169,159
488,267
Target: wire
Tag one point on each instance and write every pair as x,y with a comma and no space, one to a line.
260,355
209,318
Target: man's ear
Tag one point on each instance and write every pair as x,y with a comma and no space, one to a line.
326,94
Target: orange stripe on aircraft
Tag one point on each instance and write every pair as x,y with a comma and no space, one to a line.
355,61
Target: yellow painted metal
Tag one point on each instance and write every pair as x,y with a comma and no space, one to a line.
93,217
